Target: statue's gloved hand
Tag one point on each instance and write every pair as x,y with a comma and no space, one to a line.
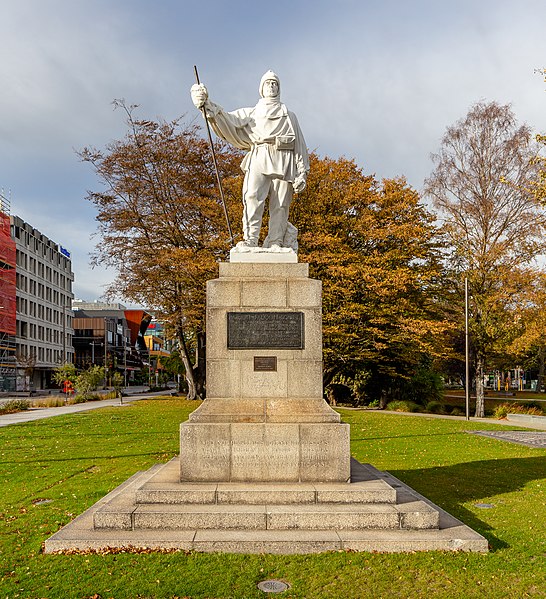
199,95
299,184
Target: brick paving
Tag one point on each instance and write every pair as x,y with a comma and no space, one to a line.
528,438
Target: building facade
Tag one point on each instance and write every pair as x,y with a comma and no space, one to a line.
157,343
110,335
44,328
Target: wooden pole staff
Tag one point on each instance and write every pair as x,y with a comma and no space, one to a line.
218,180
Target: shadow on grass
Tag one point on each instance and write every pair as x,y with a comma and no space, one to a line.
394,436
451,486
108,456
106,434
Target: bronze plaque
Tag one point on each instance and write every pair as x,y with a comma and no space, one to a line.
265,364
265,330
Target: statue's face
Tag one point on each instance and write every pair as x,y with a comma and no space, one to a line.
270,89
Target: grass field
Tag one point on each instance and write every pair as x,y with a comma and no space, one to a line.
52,470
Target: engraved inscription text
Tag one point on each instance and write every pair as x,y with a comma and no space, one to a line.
265,330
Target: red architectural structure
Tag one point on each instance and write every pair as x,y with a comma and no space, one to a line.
7,304
7,280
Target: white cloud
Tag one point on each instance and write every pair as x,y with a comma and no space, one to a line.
375,81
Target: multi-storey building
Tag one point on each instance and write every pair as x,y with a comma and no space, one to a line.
110,335
44,306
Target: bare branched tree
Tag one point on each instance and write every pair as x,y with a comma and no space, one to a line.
482,187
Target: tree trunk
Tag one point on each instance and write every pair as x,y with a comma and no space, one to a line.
199,369
540,377
480,398
192,391
383,400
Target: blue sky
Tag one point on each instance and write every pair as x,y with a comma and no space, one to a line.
374,80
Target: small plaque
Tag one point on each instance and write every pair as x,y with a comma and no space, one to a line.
265,330
265,364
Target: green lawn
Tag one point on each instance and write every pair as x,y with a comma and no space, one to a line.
72,461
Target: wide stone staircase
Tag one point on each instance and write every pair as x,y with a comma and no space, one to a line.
373,512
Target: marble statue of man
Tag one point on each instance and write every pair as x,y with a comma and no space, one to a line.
276,163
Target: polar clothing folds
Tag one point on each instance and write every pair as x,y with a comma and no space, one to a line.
276,157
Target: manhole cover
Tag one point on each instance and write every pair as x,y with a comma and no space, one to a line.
273,586
485,506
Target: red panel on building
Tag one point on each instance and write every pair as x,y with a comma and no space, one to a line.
7,277
137,321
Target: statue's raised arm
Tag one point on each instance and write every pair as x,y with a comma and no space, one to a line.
276,163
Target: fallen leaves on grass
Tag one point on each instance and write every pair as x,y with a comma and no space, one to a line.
117,550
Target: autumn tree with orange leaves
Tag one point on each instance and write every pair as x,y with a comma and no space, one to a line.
373,245
161,225
376,249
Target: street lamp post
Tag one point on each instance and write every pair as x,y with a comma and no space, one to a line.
466,351
125,362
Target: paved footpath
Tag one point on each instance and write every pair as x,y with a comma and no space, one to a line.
40,413
538,423
516,420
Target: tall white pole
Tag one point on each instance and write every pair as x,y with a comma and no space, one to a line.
467,352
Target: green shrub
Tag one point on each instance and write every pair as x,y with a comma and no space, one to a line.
14,405
436,407
424,387
89,380
403,406
66,372
540,406
54,401
502,410
339,393
456,411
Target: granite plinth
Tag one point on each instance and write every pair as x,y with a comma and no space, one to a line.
267,424
264,452
374,512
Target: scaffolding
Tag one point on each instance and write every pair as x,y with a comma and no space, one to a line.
8,303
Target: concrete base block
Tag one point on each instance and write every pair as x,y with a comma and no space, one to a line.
338,517
205,452
193,517
264,409
286,542
417,514
264,452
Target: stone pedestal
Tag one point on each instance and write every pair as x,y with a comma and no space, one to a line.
264,464
264,419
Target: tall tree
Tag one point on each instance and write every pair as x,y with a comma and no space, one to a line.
495,225
529,344
375,248
161,225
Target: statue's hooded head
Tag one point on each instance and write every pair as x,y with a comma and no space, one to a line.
270,76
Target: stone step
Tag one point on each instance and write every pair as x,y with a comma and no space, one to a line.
280,542
257,494
164,487
122,516
117,510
